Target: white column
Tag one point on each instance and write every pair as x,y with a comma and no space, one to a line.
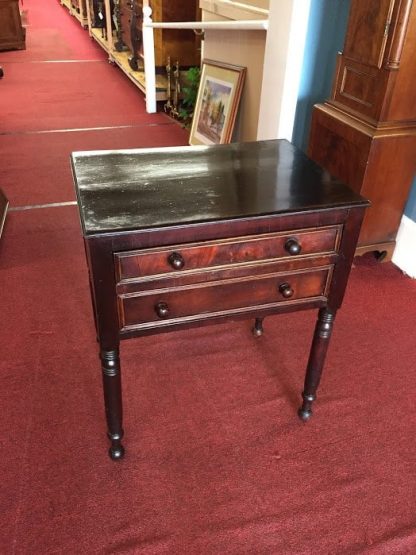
149,60
285,43
404,255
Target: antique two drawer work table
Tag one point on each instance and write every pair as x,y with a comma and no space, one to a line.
185,236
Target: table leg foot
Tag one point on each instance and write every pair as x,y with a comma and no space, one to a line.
116,451
258,327
305,411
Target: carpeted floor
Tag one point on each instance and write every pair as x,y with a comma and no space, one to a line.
53,36
63,95
217,461
30,175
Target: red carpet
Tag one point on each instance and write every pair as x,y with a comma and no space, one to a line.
53,34
66,95
46,157
217,461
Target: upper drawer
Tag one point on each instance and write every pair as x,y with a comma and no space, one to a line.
141,264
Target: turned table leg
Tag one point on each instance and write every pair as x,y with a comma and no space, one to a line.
110,363
316,361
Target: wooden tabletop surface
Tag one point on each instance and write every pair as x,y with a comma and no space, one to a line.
124,190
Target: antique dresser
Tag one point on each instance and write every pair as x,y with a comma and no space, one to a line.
187,236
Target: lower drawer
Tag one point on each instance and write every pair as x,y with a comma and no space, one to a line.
158,307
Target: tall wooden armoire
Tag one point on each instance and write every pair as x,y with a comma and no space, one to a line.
366,133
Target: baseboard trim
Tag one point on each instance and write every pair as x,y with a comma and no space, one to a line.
404,255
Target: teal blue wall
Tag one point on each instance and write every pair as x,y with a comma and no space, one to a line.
410,209
325,37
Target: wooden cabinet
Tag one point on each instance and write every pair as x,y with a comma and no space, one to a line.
366,40
366,133
12,33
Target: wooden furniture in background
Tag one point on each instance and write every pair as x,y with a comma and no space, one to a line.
78,9
117,26
366,133
187,236
12,33
100,22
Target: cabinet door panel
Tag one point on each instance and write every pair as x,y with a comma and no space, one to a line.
367,31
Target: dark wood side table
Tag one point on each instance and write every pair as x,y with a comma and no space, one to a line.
182,237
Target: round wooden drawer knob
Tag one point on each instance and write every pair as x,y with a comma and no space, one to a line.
176,261
162,310
293,247
285,290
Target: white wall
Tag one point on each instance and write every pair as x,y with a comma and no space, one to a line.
240,48
283,59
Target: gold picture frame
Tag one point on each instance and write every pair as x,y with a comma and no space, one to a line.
217,103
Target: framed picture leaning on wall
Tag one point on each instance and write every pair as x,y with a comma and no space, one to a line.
217,103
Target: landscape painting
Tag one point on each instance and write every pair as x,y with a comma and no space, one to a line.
217,103
214,108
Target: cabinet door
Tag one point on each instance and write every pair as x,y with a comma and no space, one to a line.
367,31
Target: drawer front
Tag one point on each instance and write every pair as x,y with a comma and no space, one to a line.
157,307
143,264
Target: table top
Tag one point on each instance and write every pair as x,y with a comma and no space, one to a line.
125,190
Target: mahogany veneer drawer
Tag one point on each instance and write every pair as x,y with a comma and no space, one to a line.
142,264
157,307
